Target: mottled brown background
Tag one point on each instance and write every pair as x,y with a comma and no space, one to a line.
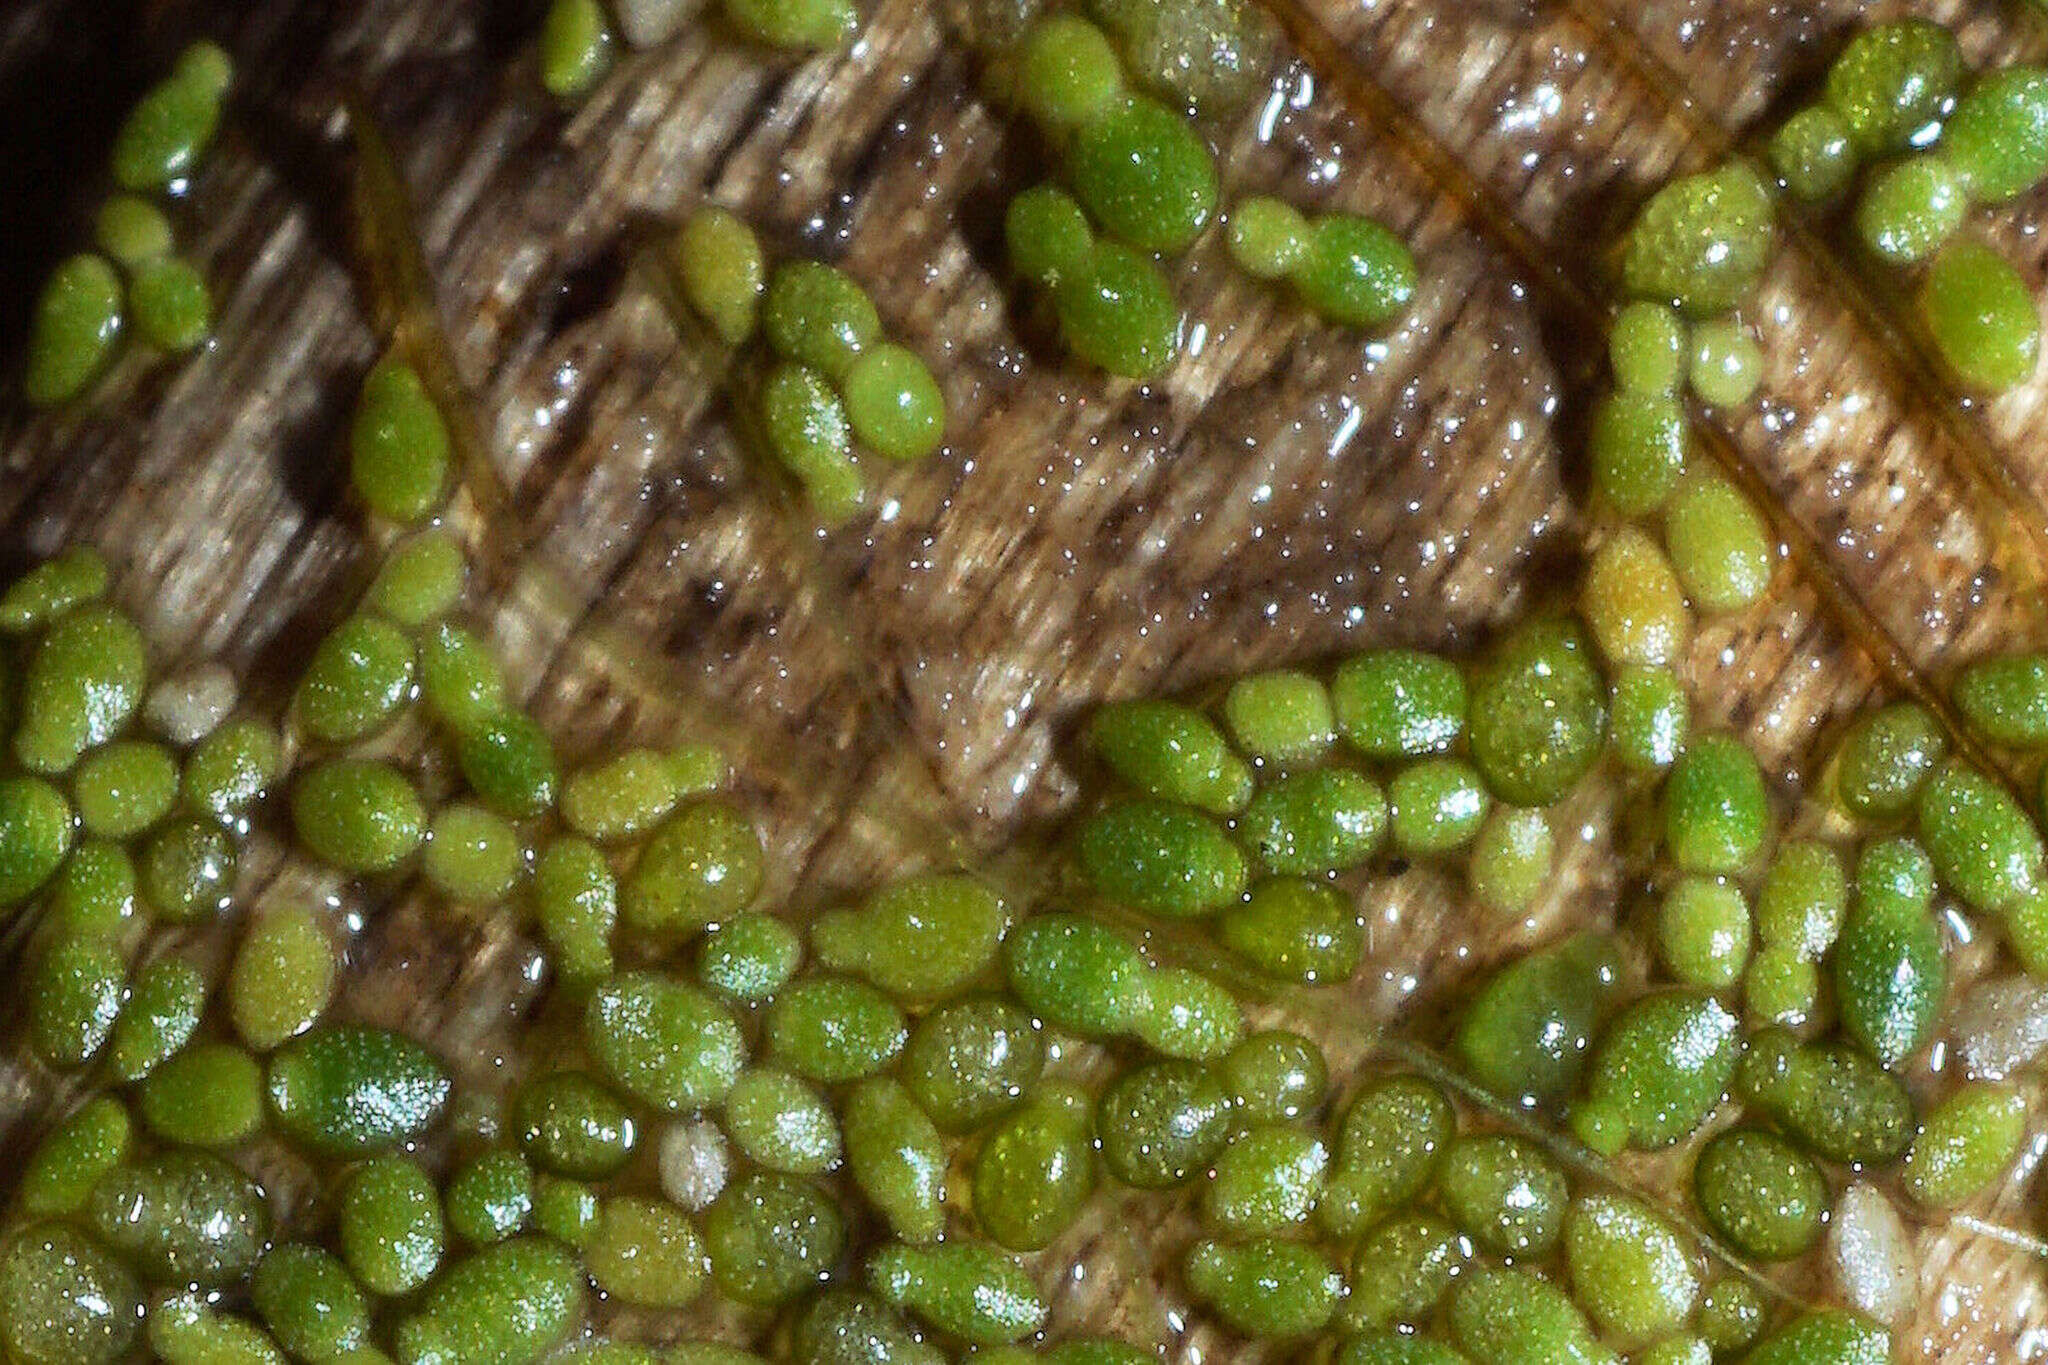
1286,492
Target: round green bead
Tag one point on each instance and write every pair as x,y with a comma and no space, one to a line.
1664,1064
1394,703
1726,364
1280,718
1731,1314
702,866
1525,1034
645,1252
1162,1123
782,1122
664,1042
473,855
970,1061
1813,154
1162,858
817,316
1504,1193
509,763
131,230
1436,805
1268,237
1275,1075
489,1197
1308,823
1911,207
164,135
831,1029
349,1089
1356,272
1982,316
771,1237
1885,757
749,957
232,768
188,871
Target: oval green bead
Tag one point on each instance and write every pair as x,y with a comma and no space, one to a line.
1504,1193
398,445
350,1089
1295,930
1161,858
1646,348
52,588
420,581
1716,810
570,1124
1162,1123
1831,1097
358,678
896,1157
389,1226
1436,805
1401,1270
1511,859
1703,932
64,1300
1538,712
1968,1143
1759,1192
575,48
358,815
310,1302
124,788
1525,1034
1892,80
77,323
832,1029
1355,271
2005,698
749,958
473,856
1636,445
1396,703
1813,154
1885,757
1633,1274
1266,1288
1067,72
231,769
181,1217
966,1289
1172,752
894,404
723,271
1268,1180
782,1123
1077,975
919,937
665,1042
1803,898
1720,545
1701,242
83,683
1268,237
1035,1170
1048,235
1664,1064
509,1302
35,833
171,305
510,765
1117,311
645,1252
771,1237
1983,318
65,1166
1515,1317
1985,847
207,1095
795,23
1829,1337
164,135
1389,1150
576,902
162,1013
1275,1075
184,1329
816,315
1890,975
1997,138
701,866
73,996
1911,207
1144,174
